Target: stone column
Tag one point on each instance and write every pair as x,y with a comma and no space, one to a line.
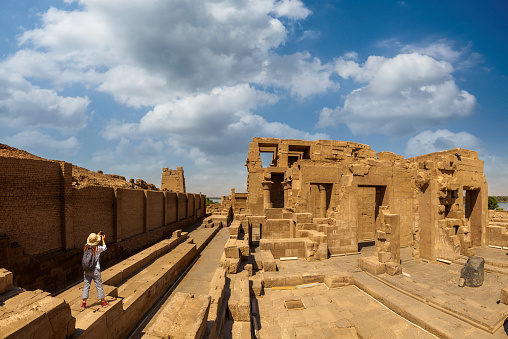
322,200
287,186
266,191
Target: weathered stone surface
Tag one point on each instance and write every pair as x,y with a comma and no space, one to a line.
6,279
372,265
184,316
473,272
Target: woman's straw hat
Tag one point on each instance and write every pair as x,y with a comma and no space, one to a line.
93,239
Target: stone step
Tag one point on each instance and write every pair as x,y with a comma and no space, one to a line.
140,292
134,285
130,301
35,314
419,312
125,269
185,316
239,301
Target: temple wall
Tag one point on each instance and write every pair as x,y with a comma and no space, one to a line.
44,221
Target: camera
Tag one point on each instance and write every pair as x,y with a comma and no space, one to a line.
101,233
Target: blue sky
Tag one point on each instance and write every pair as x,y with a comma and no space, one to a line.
130,87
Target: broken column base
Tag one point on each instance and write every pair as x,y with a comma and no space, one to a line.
373,266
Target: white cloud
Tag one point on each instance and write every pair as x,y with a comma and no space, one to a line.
25,105
217,123
309,35
168,48
301,74
293,9
441,140
39,142
440,50
403,94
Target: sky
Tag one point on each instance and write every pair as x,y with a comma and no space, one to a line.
130,87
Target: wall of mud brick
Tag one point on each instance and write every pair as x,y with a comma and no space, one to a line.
154,210
92,210
182,206
190,205
130,209
31,203
44,222
171,209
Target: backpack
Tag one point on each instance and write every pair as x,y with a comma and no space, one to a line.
88,262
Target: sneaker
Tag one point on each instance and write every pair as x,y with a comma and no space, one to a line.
105,304
83,306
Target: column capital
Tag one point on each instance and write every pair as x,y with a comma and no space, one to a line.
267,184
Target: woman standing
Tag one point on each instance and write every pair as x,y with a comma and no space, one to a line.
92,243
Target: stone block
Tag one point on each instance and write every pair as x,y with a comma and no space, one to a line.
309,278
293,280
232,252
256,287
6,279
272,279
269,264
393,268
371,265
338,280
384,257
504,295
302,218
184,316
473,272
248,268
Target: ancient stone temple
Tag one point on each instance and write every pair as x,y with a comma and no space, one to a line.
173,181
326,197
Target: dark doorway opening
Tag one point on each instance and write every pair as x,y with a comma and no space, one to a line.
369,199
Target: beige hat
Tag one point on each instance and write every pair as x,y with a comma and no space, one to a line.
93,239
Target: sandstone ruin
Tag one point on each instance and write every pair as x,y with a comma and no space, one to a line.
327,238
173,181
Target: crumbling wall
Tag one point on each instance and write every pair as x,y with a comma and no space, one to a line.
439,198
173,181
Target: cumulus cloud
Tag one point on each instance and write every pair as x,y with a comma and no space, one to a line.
441,140
25,105
301,74
440,50
183,48
402,95
217,123
36,141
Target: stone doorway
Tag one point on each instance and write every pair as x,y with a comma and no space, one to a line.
369,199
473,214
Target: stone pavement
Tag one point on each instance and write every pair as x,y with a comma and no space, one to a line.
429,296
345,312
197,280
